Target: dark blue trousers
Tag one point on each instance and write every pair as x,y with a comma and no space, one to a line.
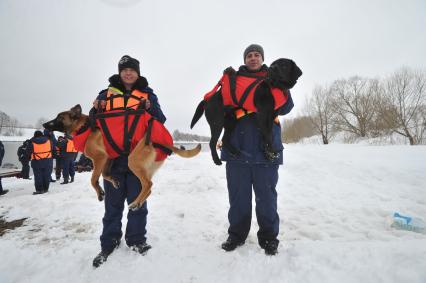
42,170
129,189
25,172
68,168
242,178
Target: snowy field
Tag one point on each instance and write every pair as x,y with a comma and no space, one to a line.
335,204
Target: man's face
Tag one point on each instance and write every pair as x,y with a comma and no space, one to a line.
253,61
128,76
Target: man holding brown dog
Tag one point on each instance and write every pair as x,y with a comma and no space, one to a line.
250,169
127,89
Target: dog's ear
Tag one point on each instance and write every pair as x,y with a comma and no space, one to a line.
75,112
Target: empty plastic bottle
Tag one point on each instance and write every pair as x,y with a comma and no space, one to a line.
408,223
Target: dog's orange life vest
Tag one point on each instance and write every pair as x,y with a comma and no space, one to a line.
116,126
115,99
70,146
42,150
245,86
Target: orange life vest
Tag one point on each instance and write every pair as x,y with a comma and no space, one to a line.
70,146
115,99
245,86
41,151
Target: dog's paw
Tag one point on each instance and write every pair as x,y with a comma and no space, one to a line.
101,195
134,206
115,184
217,161
271,156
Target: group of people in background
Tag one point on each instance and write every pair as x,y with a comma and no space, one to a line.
39,152
41,149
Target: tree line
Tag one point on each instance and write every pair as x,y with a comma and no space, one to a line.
365,107
9,126
179,136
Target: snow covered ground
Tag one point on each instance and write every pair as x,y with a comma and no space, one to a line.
335,204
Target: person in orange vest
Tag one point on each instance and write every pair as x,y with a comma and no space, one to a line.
68,155
250,169
127,90
41,151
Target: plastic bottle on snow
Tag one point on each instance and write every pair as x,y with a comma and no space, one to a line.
408,223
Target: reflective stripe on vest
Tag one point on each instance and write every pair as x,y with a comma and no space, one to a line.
115,99
41,151
240,113
70,146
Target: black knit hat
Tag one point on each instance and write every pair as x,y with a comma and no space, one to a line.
254,47
38,134
128,62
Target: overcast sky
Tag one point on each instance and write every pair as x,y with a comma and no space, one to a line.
57,53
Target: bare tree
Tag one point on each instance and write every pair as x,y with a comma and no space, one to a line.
354,103
404,102
4,121
293,130
319,110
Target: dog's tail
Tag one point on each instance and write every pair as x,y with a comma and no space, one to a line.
186,153
198,113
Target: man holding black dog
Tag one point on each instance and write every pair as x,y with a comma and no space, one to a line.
127,90
252,168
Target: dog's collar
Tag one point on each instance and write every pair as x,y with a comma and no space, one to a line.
82,129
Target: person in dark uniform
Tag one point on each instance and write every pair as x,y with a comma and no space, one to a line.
68,155
127,89
58,159
250,170
2,192
40,150
24,158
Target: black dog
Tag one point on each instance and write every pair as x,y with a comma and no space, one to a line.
282,74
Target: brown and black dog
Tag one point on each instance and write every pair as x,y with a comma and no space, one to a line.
283,74
141,160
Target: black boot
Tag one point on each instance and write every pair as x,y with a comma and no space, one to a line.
3,192
270,246
72,179
103,255
64,182
141,248
230,244
38,192
101,258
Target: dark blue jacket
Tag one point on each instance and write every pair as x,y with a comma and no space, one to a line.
141,85
22,152
246,138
